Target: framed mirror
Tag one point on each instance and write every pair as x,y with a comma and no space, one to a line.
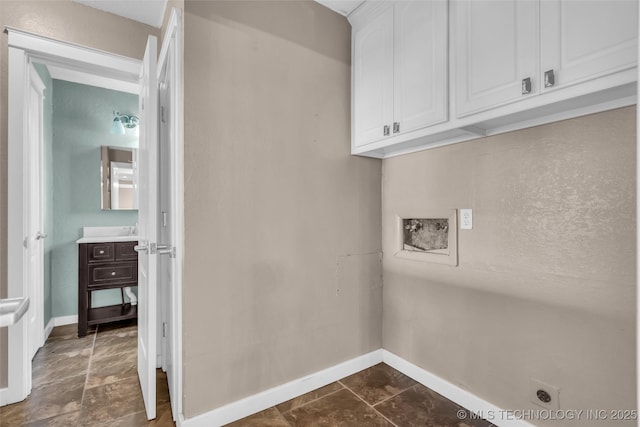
118,185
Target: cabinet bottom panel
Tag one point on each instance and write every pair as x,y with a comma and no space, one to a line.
111,313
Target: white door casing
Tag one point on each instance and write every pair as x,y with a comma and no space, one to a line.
33,239
147,174
171,202
24,48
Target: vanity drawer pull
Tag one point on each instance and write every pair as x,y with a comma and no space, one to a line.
113,273
101,252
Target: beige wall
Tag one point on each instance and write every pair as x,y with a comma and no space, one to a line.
282,267
68,21
545,285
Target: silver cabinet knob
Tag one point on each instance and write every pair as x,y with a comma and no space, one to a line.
101,252
549,78
396,127
385,130
113,273
526,86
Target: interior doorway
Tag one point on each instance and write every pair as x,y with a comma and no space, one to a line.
24,50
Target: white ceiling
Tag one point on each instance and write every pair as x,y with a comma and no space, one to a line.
148,12
151,12
343,7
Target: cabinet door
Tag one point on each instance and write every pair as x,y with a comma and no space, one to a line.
373,77
420,64
582,40
496,47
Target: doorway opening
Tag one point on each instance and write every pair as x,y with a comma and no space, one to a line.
26,50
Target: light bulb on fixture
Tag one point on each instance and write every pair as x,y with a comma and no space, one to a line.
122,121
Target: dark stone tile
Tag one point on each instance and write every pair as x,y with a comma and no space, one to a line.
115,342
70,419
268,418
55,367
111,401
67,330
162,388
47,401
378,383
422,407
339,409
64,344
308,397
113,368
123,325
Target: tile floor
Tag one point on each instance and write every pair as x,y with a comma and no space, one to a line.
89,381
378,396
92,381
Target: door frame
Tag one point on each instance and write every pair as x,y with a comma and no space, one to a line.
36,149
173,41
24,48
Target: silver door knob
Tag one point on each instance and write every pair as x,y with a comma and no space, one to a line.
40,235
166,250
141,248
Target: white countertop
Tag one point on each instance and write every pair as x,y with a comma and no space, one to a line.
108,234
100,239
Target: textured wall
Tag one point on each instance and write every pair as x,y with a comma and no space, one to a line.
82,117
546,281
69,21
282,271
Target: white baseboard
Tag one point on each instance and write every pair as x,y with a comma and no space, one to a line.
48,329
464,398
4,396
65,320
268,398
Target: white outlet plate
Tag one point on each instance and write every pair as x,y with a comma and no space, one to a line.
554,393
466,219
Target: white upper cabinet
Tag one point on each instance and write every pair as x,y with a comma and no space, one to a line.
496,51
420,64
399,68
373,77
582,40
499,44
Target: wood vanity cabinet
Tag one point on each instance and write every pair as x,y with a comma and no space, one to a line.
105,265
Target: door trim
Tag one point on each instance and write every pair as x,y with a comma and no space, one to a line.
23,48
173,35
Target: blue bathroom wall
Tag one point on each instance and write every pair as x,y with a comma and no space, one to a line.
47,202
82,117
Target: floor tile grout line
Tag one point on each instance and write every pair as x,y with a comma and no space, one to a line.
398,393
369,405
309,402
86,380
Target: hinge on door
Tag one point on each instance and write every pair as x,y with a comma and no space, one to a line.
164,329
162,114
164,219
25,242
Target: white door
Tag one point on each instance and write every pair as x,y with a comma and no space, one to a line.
147,170
373,78
420,64
496,50
34,236
587,39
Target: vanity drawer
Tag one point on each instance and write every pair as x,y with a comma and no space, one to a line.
125,252
100,252
103,274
